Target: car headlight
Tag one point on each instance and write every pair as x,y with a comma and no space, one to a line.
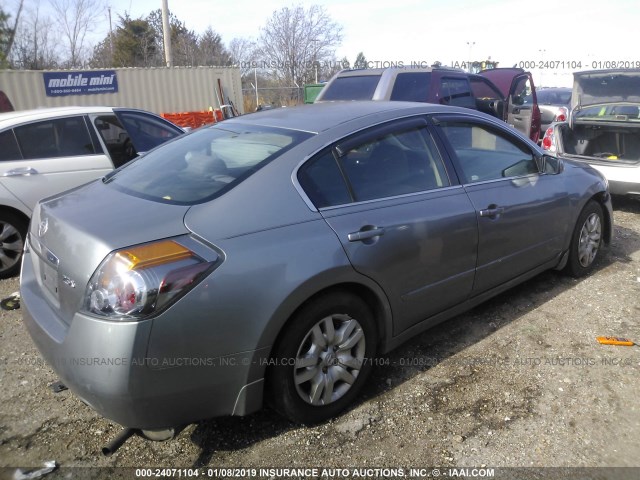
136,282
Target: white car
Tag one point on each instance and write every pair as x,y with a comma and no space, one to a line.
603,128
47,151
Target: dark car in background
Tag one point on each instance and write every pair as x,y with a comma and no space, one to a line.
499,92
603,127
272,256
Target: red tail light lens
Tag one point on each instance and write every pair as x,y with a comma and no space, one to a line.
562,115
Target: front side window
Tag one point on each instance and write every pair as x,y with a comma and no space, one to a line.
61,137
485,153
204,164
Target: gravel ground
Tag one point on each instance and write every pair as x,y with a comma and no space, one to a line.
517,382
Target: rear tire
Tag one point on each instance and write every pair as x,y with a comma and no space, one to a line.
586,240
13,232
322,358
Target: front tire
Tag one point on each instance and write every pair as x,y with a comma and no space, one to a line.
586,241
322,358
13,231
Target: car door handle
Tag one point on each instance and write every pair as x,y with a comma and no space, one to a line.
365,234
492,211
516,111
18,172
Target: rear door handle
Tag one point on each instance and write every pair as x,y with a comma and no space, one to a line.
20,172
492,211
365,234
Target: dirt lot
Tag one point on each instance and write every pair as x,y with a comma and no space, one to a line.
517,382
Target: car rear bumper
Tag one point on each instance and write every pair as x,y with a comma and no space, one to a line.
105,364
623,180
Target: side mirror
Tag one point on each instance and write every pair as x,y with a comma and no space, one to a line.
550,165
517,100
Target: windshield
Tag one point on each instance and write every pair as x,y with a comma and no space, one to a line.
204,164
351,88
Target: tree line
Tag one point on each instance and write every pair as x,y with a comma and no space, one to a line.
295,46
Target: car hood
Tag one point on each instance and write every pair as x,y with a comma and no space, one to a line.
76,230
601,87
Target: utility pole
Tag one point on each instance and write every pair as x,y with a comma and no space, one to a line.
471,44
166,33
110,35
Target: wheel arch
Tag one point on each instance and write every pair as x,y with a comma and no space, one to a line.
15,211
373,297
602,198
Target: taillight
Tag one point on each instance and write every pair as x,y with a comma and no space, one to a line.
561,115
548,142
139,281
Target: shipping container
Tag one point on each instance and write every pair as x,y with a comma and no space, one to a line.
158,90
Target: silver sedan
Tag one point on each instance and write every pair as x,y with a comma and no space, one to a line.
271,257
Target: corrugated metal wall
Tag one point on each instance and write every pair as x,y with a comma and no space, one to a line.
158,90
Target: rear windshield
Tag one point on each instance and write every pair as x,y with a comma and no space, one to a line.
351,88
553,97
205,164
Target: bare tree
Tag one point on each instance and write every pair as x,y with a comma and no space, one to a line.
76,18
33,48
243,54
7,33
296,41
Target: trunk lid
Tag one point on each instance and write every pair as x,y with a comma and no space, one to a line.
71,234
600,87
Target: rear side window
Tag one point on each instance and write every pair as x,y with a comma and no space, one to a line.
486,154
323,182
381,166
204,164
395,164
412,87
61,137
351,88
9,147
456,92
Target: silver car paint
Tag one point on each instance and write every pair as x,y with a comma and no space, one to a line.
209,358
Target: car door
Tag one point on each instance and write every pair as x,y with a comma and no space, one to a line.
400,217
515,84
523,215
53,155
129,133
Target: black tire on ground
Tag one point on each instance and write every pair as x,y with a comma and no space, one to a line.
586,240
322,358
13,232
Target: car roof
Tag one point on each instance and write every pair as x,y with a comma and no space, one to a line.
319,117
358,72
21,116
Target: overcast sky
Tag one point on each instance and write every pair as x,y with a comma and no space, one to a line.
579,33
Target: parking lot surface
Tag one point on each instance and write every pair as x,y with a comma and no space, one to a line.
519,381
